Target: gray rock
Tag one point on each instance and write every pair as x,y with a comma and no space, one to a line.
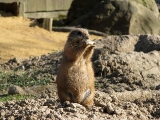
11,118
109,108
70,109
76,105
51,116
117,17
80,116
2,113
16,90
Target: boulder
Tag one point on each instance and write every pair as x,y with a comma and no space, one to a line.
150,4
79,8
117,17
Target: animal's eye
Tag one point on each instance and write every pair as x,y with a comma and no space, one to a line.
78,42
79,33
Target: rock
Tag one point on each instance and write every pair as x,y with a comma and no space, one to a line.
16,90
1,104
158,87
70,109
114,98
22,103
109,90
109,109
119,111
117,17
150,4
32,117
93,116
43,108
58,116
51,116
44,95
80,116
66,103
76,105
2,113
15,60
11,118
49,102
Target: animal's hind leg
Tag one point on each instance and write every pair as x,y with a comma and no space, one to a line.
63,96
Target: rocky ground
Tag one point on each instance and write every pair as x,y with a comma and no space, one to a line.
127,83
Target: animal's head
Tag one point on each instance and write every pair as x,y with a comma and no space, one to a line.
79,38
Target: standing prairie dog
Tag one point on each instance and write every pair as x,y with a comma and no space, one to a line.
75,78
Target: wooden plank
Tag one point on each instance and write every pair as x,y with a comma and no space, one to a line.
22,9
54,4
47,24
41,5
31,5
11,1
49,5
59,4
67,4
54,14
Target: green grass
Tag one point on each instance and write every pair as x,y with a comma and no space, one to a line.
22,79
5,98
97,85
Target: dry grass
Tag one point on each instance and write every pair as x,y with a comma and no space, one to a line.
18,39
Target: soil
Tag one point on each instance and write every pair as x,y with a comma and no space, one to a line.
126,71
118,96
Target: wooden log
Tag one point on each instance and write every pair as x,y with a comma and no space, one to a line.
68,29
47,24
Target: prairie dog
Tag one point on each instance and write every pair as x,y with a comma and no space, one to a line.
75,77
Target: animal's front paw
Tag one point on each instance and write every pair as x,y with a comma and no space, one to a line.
90,42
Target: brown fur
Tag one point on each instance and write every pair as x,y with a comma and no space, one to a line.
75,78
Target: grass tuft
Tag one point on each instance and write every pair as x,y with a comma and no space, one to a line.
6,98
22,79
